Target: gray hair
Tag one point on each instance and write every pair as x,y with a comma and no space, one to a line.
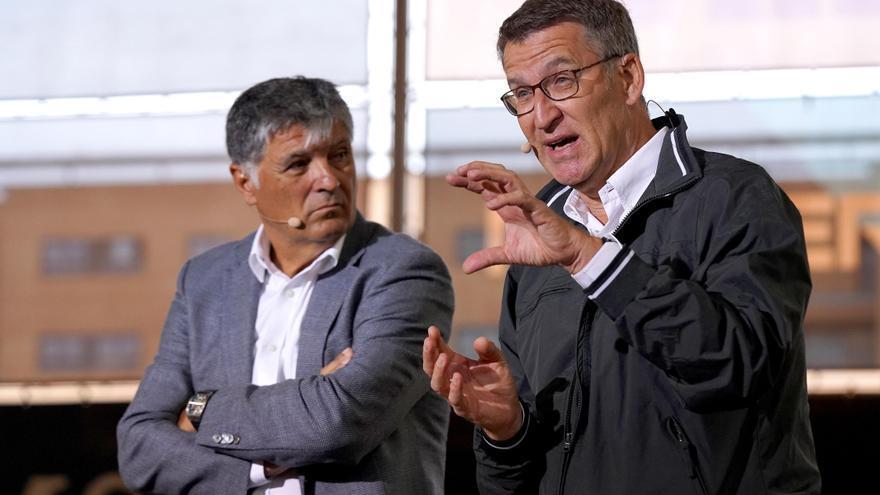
275,105
607,24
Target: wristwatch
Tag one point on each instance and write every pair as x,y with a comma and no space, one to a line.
195,407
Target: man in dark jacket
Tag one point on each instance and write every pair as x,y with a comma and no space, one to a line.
651,328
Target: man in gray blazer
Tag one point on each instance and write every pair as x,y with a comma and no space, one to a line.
290,360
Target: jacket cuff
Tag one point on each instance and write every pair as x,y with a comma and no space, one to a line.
511,442
600,262
622,280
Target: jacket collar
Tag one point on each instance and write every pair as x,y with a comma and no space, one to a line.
677,165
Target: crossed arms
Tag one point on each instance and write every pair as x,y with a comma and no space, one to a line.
318,419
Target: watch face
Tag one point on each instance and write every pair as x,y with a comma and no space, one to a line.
196,406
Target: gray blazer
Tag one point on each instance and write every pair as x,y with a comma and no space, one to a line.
372,427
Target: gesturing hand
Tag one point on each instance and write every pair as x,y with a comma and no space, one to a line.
481,391
533,233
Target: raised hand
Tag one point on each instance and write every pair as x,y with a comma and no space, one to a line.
533,233
481,391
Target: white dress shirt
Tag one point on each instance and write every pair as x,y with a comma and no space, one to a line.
619,196
282,305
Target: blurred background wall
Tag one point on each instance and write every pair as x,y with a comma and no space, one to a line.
113,172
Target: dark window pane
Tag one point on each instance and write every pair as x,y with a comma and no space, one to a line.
64,352
119,254
464,337
467,242
89,352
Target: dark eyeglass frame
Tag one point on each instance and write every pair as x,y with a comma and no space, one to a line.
575,74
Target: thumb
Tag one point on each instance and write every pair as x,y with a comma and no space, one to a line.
485,258
487,351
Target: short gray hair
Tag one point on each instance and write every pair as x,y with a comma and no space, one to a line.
607,23
275,105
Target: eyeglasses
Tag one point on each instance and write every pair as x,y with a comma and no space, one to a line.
559,86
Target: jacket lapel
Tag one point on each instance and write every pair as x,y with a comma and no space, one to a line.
241,295
330,291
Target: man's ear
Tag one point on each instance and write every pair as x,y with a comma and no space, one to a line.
633,77
243,183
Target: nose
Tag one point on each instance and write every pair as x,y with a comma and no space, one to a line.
324,178
547,113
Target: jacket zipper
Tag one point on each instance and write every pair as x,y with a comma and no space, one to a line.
684,445
639,206
567,429
567,437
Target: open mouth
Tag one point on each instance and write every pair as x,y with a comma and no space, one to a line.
562,142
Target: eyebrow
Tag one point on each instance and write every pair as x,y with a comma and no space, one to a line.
307,152
296,155
553,66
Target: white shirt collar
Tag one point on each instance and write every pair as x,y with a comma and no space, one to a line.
261,263
633,177
623,189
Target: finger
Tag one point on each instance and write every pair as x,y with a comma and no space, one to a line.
331,366
485,258
437,336
487,351
430,352
497,174
463,182
338,362
456,397
481,187
439,379
184,423
456,180
516,197
346,355
478,165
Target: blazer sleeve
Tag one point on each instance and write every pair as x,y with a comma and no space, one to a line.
154,455
342,417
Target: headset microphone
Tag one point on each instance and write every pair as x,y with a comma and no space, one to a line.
292,222
525,147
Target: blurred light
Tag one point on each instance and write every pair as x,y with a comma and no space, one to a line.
457,94
141,105
380,74
763,84
378,166
843,382
415,163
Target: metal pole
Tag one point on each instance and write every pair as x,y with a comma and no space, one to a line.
398,170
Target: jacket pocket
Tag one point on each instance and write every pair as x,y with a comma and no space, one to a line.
688,455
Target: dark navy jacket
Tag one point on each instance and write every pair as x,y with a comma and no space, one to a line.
681,369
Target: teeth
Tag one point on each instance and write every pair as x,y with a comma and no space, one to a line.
559,143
